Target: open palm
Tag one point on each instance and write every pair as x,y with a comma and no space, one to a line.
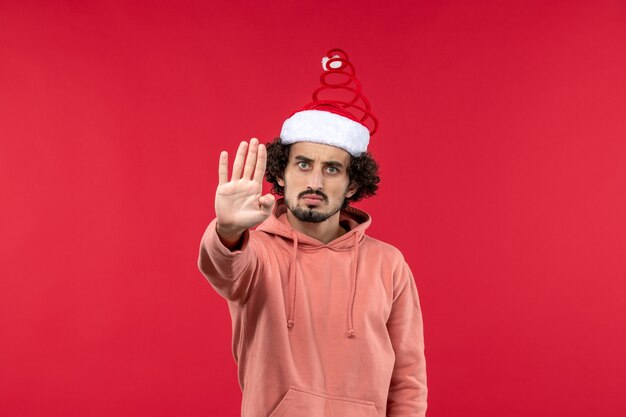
239,204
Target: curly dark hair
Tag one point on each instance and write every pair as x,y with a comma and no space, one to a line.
362,171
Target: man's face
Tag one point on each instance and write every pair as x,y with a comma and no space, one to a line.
316,181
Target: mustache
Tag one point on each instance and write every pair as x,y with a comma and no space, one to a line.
311,192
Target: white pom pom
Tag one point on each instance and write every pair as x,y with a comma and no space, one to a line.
333,65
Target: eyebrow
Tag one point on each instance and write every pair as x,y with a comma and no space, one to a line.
327,163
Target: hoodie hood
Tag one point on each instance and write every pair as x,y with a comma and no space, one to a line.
353,220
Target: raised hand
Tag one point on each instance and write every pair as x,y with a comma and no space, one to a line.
239,204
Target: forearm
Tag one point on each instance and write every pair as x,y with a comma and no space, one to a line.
230,272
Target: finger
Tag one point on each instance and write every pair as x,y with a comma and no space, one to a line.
261,161
223,168
267,202
239,158
251,158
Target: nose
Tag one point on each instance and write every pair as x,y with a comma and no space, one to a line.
315,180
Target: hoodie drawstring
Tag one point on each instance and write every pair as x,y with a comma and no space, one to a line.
291,282
355,262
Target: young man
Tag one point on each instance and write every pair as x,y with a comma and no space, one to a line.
326,320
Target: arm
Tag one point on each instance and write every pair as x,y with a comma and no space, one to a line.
408,390
225,259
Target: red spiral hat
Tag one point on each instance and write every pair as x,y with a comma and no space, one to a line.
339,115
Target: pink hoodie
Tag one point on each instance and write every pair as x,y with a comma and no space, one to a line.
320,329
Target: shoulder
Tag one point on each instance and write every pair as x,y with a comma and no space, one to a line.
384,249
389,260
382,246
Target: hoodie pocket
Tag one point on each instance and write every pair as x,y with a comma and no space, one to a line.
301,403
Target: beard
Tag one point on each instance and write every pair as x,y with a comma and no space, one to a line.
312,214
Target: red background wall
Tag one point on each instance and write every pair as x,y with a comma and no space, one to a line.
502,149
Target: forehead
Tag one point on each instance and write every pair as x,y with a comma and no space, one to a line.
319,152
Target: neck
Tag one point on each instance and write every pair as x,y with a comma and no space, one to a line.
325,231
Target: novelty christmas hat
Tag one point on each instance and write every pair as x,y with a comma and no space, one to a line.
339,114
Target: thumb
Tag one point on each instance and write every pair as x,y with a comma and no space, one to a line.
267,202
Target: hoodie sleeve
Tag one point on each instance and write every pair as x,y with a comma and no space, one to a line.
231,274
407,391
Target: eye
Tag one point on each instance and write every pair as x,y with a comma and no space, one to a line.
303,165
332,170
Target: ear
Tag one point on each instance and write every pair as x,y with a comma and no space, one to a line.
280,181
351,189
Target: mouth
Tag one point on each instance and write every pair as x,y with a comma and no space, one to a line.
312,199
